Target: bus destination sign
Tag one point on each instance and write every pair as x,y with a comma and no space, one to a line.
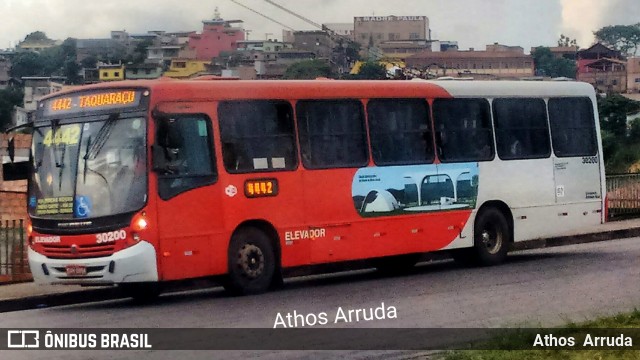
80,102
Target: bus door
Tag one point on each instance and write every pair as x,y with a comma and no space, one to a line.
189,211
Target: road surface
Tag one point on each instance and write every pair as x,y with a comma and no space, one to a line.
543,287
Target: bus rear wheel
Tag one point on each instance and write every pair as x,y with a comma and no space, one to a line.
252,263
492,238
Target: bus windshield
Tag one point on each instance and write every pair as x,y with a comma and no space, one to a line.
88,169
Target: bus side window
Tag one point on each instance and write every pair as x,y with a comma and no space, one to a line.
400,131
187,147
257,135
573,129
464,130
522,130
332,133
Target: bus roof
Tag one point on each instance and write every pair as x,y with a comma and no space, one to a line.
207,90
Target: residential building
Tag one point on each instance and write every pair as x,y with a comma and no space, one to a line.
262,45
36,45
318,42
496,62
35,88
111,72
272,65
342,29
241,72
401,49
633,75
143,71
163,54
91,75
604,68
217,35
186,68
371,31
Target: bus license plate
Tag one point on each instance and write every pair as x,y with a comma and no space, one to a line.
76,270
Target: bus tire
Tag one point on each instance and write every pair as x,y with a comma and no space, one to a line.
141,293
252,262
492,238
396,265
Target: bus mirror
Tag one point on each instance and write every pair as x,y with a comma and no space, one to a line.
159,160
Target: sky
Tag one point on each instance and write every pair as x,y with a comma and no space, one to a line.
473,23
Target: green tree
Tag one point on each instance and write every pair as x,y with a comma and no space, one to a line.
547,64
613,111
27,64
624,38
567,41
90,62
371,70
620,141
71,71
36,36
308,69
139,54
9,98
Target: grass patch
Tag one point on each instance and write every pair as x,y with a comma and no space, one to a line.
523,339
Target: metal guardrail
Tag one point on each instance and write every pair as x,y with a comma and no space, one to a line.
14,265
623,195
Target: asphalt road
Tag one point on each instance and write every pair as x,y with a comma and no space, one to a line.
544,287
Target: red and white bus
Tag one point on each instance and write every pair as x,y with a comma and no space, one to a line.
137,183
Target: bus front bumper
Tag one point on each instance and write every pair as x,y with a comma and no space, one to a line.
134,264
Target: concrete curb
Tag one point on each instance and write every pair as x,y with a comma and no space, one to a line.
111,293
577,239
59,299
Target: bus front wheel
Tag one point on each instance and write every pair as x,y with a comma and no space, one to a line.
252,263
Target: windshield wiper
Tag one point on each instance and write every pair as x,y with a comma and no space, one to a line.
61,165
85,158
101,137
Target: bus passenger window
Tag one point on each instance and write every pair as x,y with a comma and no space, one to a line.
573,130
521,128
400,131
463,130
332,133
257,136
188,150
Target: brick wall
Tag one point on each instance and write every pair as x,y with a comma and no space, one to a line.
13,193
13,206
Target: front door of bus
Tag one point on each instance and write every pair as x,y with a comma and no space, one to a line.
189,215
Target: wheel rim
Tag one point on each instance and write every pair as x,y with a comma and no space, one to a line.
251,261
492,239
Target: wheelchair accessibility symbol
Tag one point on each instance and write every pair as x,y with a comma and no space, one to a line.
82,207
